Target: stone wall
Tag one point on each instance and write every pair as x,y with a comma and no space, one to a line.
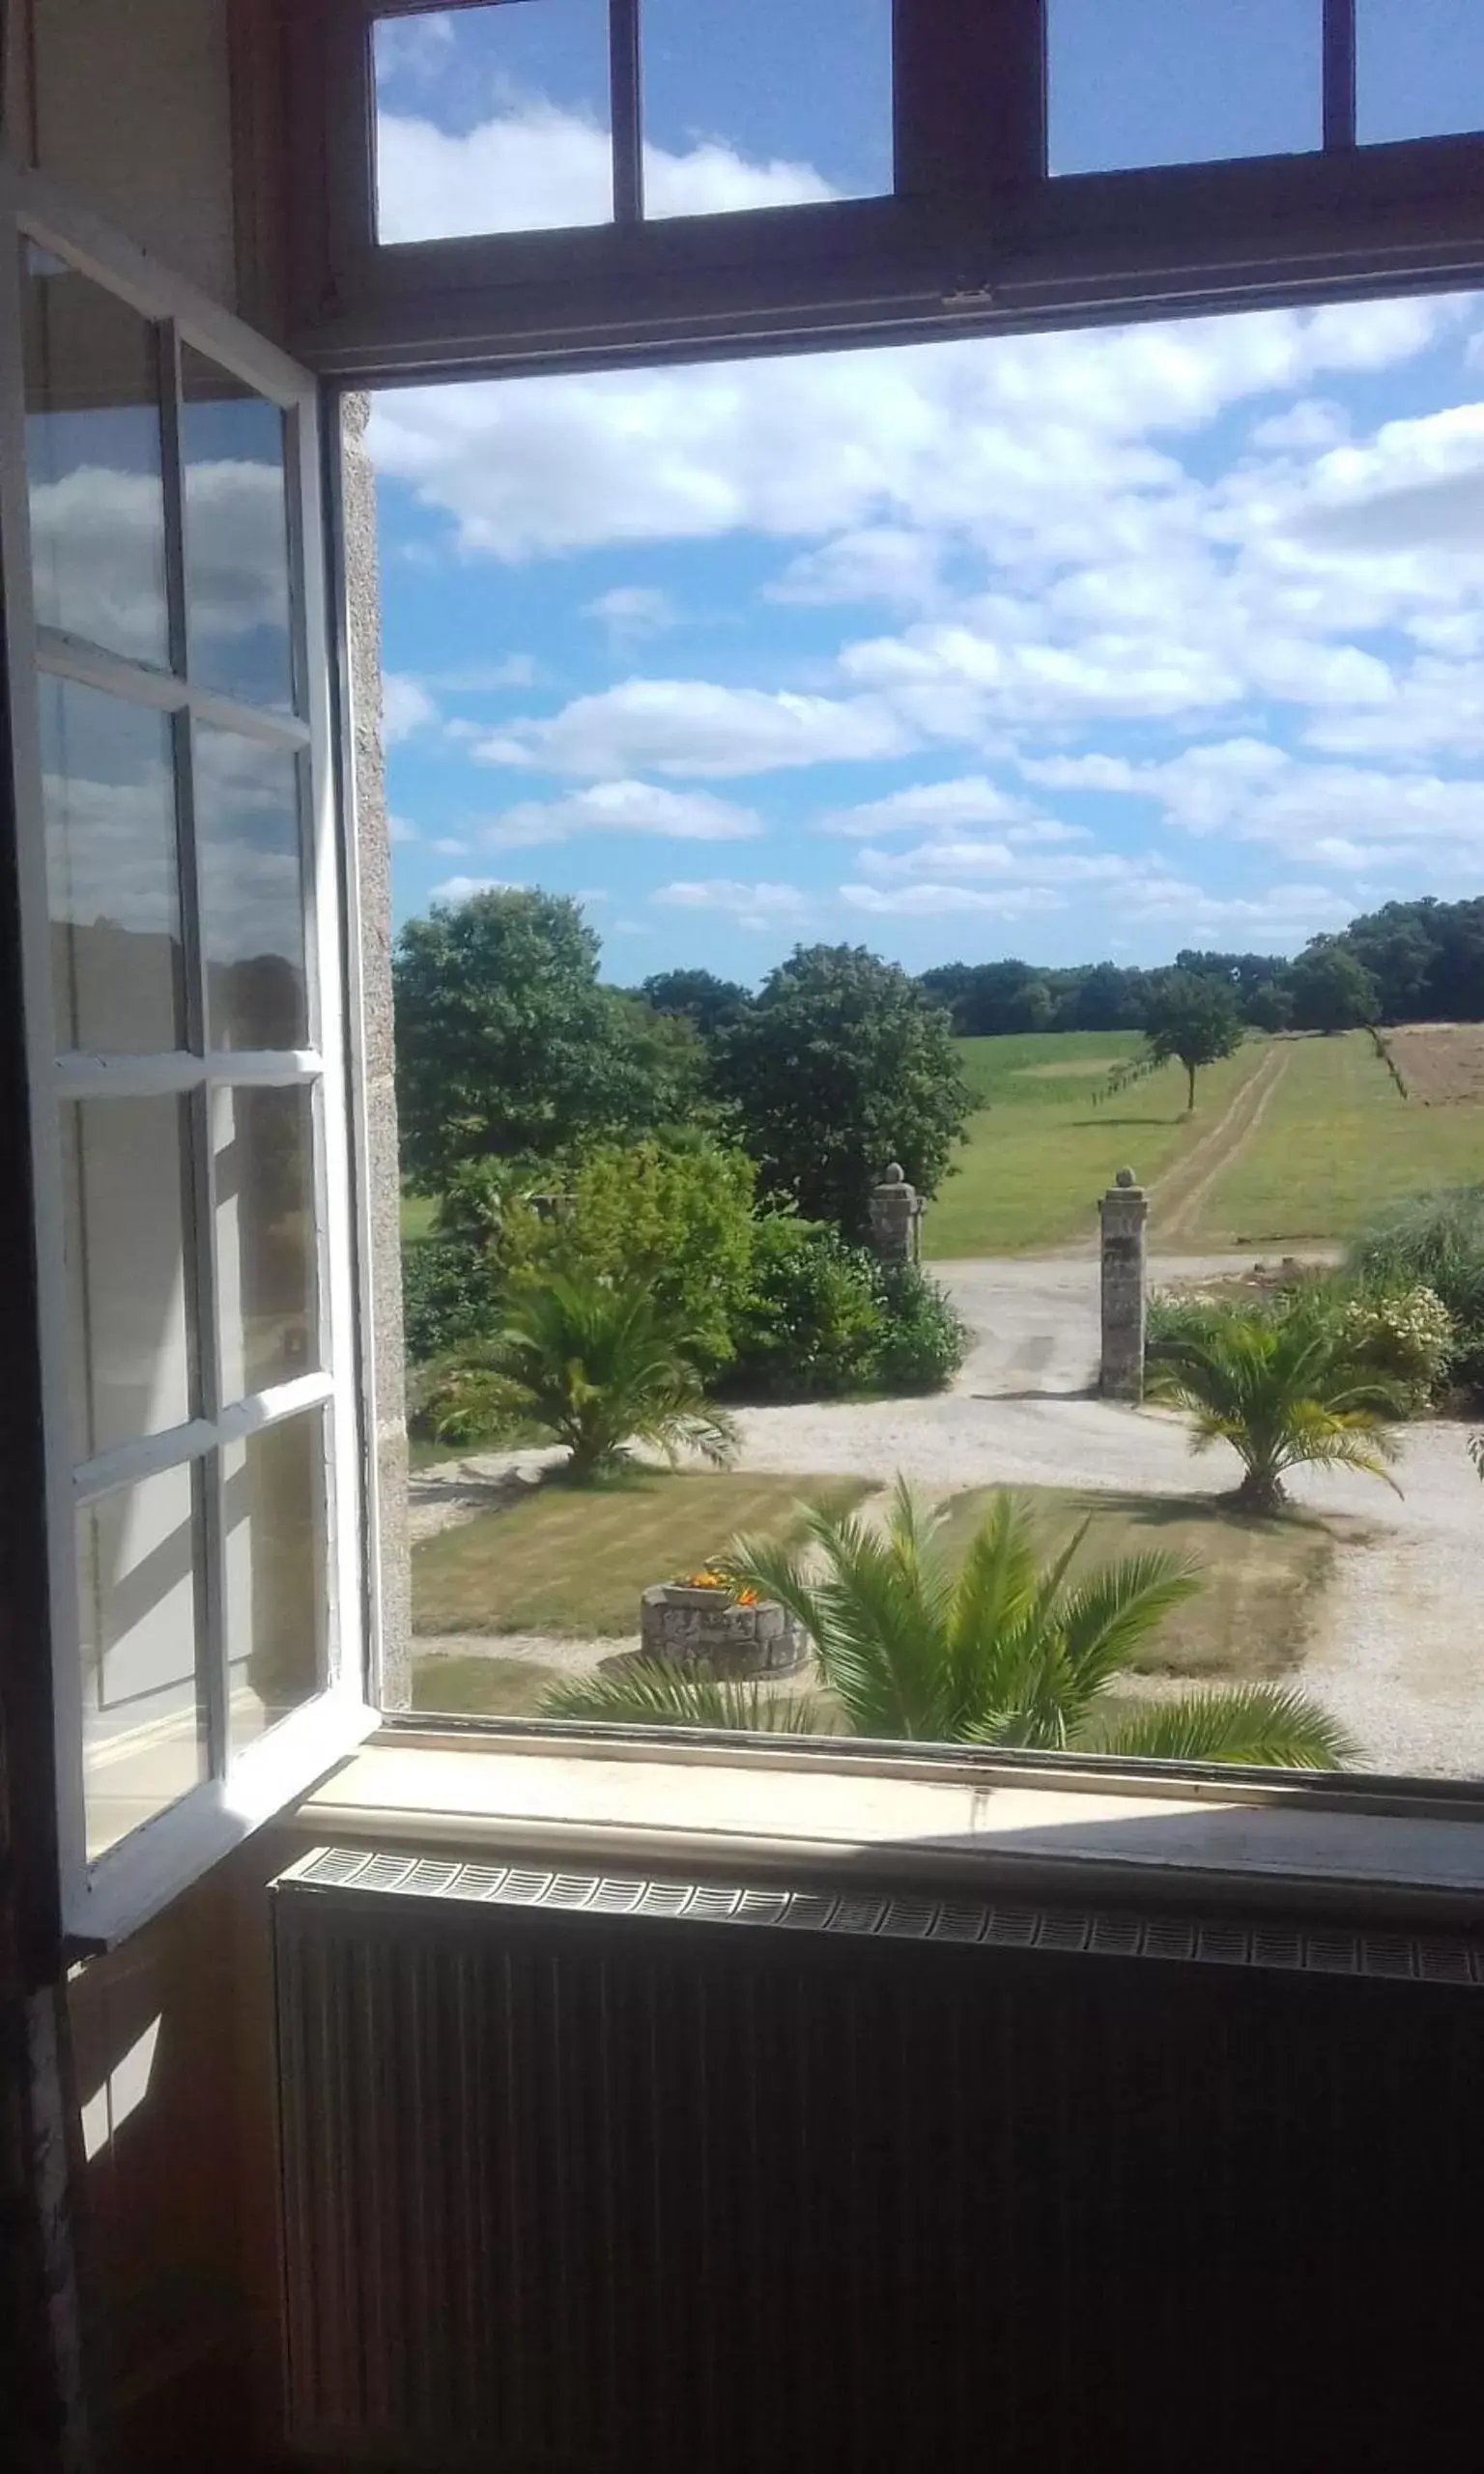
705,1630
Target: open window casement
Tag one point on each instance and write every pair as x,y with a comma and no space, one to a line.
181,897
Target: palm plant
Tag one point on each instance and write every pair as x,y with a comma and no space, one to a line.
1283,1390
1003,1648
600,1369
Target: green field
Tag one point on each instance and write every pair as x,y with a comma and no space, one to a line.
1038,1153
416,1213
1335,1139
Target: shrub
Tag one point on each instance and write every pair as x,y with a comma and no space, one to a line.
812,1322
1437,1242
924,1338
674,1216
1405,1335
451,1293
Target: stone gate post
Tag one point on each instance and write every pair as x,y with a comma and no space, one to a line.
1122,1212
896,1218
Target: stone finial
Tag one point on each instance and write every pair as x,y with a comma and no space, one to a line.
896,1174
1126,1177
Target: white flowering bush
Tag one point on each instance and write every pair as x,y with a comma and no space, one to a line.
1406,1334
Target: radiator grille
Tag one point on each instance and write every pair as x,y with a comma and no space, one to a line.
606,2175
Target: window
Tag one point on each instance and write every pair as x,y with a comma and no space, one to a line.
1181,81
190,1101
1419,69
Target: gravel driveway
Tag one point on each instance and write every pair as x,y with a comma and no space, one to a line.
1398,1653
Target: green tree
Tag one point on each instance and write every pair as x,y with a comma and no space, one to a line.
1270,1006
1283,1389
1194,1018
675,1217
1332,990
507,1044
840,1065
600,1369
1007,1650
705,1000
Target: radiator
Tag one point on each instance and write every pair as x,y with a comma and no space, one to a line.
602,2177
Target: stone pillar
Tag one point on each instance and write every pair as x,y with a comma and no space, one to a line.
1124,1211
896,1218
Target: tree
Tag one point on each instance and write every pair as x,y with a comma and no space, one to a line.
507,1044
699,995
1332,990
1192,1017
1280,1389
1270,1006
1007,1650
599,1367
840,1065
673,1217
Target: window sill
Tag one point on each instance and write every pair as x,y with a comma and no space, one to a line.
919,1820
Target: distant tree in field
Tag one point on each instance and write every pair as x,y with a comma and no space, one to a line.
1332,990
842,1064
697,994
1271,1007
1194,1018
507,1044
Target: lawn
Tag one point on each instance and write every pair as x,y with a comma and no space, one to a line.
415,1215
480,1687
574,1560
1038,1154
1335,1141
1264,1578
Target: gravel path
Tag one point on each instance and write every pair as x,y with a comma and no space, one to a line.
1398,1652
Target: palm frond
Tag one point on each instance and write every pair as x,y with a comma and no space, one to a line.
652,1693
1259,1726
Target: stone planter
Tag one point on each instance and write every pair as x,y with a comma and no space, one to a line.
703,1631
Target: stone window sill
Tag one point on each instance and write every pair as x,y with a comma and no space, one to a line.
985,1827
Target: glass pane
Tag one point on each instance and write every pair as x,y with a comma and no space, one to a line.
237,537
108,792
252,919
265,1237
1419,69
92,457
1181,81
124,1164
144,1720
275,1574
492,120
765,103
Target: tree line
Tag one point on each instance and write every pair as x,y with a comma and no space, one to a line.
1409,962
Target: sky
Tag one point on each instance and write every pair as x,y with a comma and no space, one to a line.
1067,645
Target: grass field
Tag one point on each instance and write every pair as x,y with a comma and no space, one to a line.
415,1215
575,1560
1038,1153
1262,1577
1335,1141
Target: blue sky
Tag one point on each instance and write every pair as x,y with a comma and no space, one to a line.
1064,645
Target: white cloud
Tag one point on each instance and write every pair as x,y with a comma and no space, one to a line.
632,610
755,906
688,726
927,806
398,830
462,888
622,807
945,900
1306,427
451,846
880,562
406,706
488,678
537,167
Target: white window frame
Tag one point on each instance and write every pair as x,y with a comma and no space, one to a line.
101,1900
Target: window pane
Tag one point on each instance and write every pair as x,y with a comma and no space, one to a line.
265,1237
237,537
765,103
275,1574
252,923
144,1723
93,452
492,120
124,1164
1181,81
1419,69
108,792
